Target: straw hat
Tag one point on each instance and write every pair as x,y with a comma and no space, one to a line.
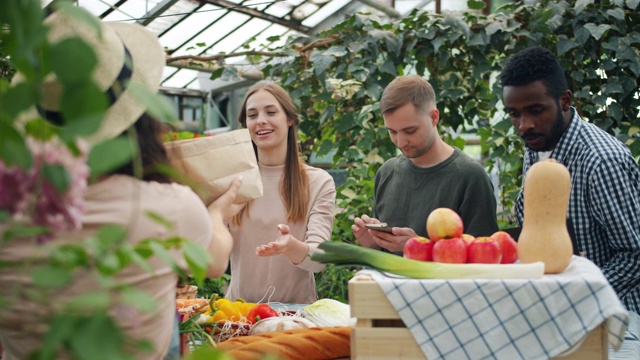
127,53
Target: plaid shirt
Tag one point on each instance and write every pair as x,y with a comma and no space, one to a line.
604,205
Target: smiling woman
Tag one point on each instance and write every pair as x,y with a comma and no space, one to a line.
274,234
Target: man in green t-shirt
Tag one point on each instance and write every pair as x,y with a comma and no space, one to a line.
429,173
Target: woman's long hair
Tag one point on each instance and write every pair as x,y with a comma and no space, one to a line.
294,189
152,154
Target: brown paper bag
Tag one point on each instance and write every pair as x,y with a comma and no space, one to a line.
214,161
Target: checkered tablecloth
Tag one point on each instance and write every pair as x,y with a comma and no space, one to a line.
506,319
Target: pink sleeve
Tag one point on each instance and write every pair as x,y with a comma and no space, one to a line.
321,215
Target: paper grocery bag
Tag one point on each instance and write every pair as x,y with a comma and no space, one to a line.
214,161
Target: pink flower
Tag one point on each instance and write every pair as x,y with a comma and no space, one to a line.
31,197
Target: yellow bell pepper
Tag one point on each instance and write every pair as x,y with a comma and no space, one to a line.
225,310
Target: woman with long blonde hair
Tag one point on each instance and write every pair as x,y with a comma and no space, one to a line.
274,234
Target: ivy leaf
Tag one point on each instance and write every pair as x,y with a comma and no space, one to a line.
597,30
216,73
230,73
581,4
617,13
336,51
565,45
437,42
476,4
321,62
476,39
633,4
581,35
615,111
388,67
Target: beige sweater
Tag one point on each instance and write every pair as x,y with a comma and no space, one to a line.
118,200
252,276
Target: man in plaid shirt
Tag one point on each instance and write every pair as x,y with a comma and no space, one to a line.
604,205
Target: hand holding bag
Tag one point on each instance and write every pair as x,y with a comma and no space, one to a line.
212,162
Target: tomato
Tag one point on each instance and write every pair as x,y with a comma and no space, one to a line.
259,312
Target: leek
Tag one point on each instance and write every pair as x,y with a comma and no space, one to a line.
338,253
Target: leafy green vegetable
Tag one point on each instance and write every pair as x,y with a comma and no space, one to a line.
328,312
347,254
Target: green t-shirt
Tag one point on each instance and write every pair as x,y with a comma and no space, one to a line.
405,194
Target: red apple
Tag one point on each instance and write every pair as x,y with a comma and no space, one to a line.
484,250
508,246
452,251
444,223
418,248
468,238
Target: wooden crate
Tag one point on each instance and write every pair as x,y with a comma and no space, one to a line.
380,333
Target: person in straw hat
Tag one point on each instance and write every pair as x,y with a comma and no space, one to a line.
127,54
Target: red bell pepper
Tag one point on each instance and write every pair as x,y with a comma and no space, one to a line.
259,312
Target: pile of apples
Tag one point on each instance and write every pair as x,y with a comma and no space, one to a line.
448,243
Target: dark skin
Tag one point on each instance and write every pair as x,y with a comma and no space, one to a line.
539,119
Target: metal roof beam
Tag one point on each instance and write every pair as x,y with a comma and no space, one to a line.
389,11
156,11
258,14
329,21
112,8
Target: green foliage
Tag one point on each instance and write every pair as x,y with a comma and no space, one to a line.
332,283
337,83
211,286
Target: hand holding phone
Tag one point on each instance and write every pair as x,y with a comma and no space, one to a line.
380,227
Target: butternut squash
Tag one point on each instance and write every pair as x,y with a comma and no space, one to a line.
544,235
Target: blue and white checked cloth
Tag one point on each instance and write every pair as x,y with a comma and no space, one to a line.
506,319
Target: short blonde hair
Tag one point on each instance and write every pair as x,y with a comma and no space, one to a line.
408,89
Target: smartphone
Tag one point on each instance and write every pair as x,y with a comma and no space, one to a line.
380,227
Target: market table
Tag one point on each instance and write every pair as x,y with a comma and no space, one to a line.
575,312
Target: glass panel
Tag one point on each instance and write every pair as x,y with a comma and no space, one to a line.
326,11
171,16
130,10
167,72
231,42
195,85
181,78
95,7
190,26
214,33
279,9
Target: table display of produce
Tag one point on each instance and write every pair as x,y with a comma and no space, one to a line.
450,296
248,330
